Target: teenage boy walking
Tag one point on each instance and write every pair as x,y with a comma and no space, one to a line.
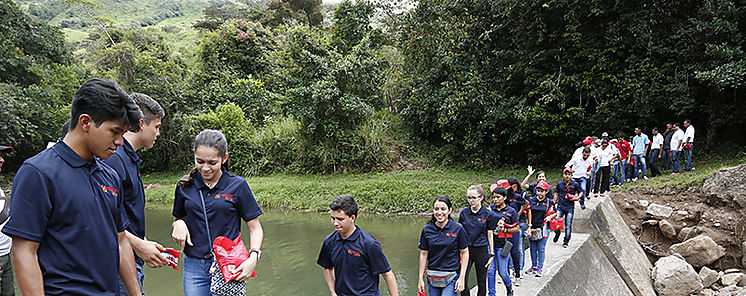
66,216
6,267
688,145
352,259
667,147
677,140
639,150
126,163
655,151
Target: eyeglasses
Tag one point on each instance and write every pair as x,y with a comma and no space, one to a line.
473,197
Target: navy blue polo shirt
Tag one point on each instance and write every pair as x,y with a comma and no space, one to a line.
477,224
72,208
229,201
562,190
516,202
127,165
539,210
357,260
443,245
532,189
510,217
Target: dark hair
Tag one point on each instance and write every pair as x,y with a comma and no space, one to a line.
149,107
63,130
620,136
444,199
687,120
587,150
104,100
346,203
501,191
207,138
513,181
655,129
541,172
677,124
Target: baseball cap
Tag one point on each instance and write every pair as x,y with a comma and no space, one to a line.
5,148
567,170
605,134
543,185
587,140
503,183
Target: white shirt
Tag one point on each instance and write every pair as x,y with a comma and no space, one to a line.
580,167
657,141
689,134
677,136
5,241
604,156
615,151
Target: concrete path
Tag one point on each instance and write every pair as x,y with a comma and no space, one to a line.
556,255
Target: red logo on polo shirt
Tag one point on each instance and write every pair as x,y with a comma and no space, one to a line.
453,234
108,189
481,220
226,196
354,253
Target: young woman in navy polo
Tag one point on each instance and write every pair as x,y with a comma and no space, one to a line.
444,250
226,199
507,226
540,206
540,176
479,224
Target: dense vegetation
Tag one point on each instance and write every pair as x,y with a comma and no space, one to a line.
473,84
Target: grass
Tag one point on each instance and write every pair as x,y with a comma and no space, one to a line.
404,191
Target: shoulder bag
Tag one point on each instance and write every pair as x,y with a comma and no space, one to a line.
218,286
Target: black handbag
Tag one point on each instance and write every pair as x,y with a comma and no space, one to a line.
506,249
218,286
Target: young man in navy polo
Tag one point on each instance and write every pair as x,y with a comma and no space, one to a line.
565,195
126,163
350,250
66,216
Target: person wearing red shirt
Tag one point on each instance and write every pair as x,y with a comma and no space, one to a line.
624,163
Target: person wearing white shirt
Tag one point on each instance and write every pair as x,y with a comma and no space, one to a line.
688,144
605,156
677,140
581,170
6,266
655,151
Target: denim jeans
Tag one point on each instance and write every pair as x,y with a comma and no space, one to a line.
675,164
567,215
140,278
6,279
499,264
196,280
448,290
538,248
654,171
582,181
620,172
640,161
518,252
688,158
666,159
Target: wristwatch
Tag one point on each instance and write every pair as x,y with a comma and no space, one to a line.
258,253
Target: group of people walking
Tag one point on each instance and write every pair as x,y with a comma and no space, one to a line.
77,212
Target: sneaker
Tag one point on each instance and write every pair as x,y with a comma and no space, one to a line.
634,180
509,289
531,270
517,282
556,236
582,207
596,195
674,174
538,272
564,245
645,177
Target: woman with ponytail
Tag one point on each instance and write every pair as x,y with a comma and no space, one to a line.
479,224
210,202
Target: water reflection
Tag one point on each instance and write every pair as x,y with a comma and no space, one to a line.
292,241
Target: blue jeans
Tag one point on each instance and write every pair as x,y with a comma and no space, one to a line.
538,248
518,252
449,290
654,171
640,161
567,215
688,158
140,278
499,264
582,181
666,159
196,280
620,172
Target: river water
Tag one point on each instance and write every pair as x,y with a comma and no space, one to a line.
292,241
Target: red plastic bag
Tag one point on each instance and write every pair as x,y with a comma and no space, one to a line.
557,224
173,257
230,254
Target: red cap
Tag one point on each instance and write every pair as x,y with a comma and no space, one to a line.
543,185
567,170
503,183
587,141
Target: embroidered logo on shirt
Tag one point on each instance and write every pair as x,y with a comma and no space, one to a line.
354,253
226,196
453,234
108,189
481,220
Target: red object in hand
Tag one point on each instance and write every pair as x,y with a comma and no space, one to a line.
173,257
421,293
230,254
569,196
